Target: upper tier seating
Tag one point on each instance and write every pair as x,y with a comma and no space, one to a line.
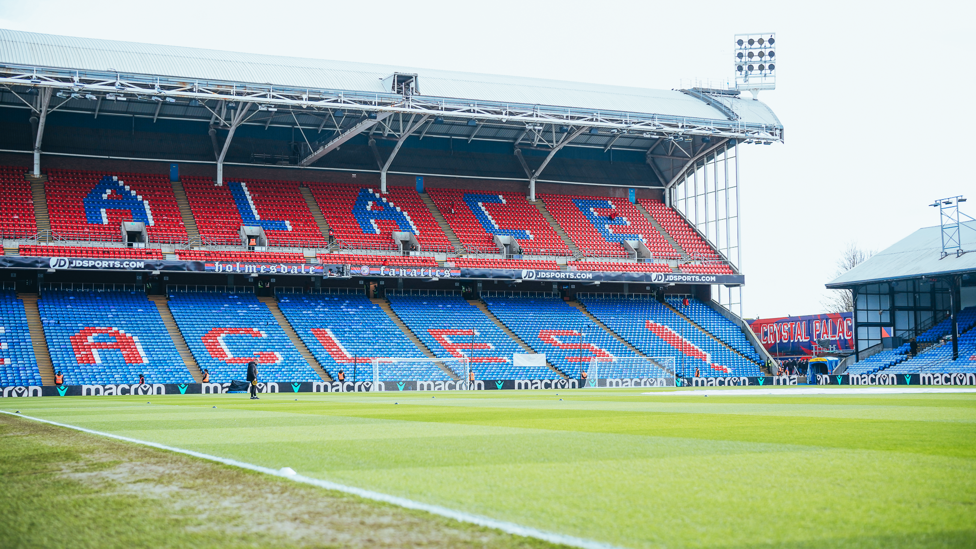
657,331
598,225
18,366
392,260
483,263
362,218
277,206
109,338
680,230
101,252
551,326
717,325
450,326
347,331
965,320
710,268
17,207
91,205
248,257
621,267
226,331
476,217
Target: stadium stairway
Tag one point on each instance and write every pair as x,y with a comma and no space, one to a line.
605,328
541,206
162,306
709,334
38,340
501,326
385,305
650,219
313,207
41,217
189,223
448,231
272,305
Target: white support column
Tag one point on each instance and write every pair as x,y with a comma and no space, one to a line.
538,171
44,100
738,224
403,137
235,122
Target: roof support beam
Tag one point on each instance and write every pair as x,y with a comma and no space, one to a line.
538,171
98,105
614,140
236,120
411,127
521,159
475,132
657,171
423,133
342,138
44,101
159,106
691,161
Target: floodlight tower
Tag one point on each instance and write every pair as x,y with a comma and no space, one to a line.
755,62
949,216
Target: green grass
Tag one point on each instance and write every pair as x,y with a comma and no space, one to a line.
614,465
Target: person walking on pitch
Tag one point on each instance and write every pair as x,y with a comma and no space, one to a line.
252,378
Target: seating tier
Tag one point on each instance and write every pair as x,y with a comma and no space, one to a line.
17,207
717,325
250,257
393,260
18,365
490,263
106,252
619,266
680,231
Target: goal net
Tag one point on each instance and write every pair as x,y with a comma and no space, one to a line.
652,371
420,369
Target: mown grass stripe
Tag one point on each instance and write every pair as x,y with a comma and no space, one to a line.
460,516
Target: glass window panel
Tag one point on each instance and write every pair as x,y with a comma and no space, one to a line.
873,302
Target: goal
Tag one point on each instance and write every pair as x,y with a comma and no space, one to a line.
420,369
652,371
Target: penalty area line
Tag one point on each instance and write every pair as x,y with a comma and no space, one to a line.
460,516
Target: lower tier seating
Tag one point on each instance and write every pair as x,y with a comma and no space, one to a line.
226,331
90,252
879,361
249,257
568,338
109,338
657,331
18,366
452,327
717,325
346,332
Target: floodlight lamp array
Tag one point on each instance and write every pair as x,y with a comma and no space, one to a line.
755,61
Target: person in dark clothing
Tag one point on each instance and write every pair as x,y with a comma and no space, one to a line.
331,236
252,378
206,376
342,376
913,346
59,378
142,379
582,379
697,372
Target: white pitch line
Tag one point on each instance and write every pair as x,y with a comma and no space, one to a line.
461,516
811,391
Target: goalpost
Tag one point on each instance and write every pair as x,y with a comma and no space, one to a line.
659,371
420,369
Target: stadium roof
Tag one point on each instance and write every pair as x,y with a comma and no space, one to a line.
27,49
915,256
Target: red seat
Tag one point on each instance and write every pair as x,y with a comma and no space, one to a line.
93,252
392,260
17,206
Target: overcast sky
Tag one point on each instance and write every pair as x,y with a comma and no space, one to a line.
875,97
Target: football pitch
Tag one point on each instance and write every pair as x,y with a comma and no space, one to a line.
620,467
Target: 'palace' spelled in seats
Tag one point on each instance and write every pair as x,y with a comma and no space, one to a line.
348,331
599,225
17,207
362,218
226,331
106,252
275,206
475,217
92,205
18,365
657,331
109,338
453,328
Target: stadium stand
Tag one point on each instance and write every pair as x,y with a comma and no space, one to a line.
347,331
598,226
551,326
964,321
476,217
108,338
85,205
362,218
18,366
100,252
17,208
392,260
680,231
620,266
706,268
276,206
253,257
716,324
657,331
935,359
880,361
489,263
225,331
450,327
